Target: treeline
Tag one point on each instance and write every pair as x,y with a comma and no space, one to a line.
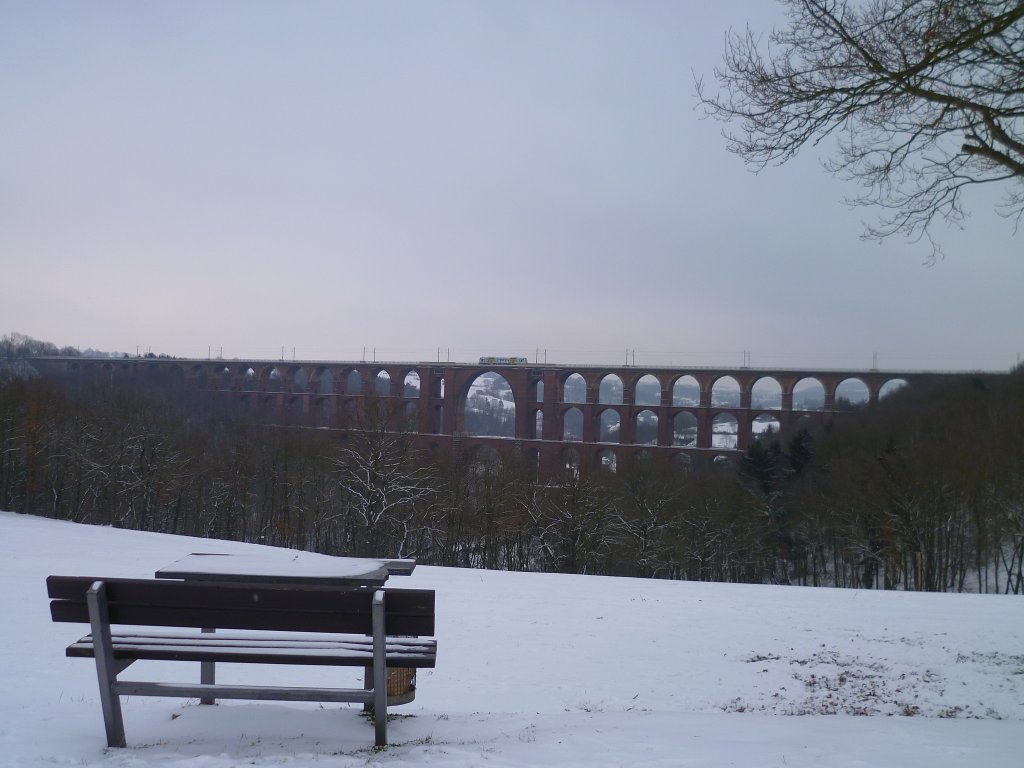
18,345
16,349
924,490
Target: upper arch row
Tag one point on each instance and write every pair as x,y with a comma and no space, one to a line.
765,392
598,387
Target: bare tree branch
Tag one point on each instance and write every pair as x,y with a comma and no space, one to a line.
925,98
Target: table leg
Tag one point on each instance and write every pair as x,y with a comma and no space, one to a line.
207,672
367,685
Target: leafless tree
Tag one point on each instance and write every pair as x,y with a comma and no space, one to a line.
925,98
577,525
384,482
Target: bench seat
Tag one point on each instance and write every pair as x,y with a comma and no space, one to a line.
262,648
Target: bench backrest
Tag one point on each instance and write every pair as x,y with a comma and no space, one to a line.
149,602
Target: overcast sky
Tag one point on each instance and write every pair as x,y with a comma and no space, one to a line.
481,177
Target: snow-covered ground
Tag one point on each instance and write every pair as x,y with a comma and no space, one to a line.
548,670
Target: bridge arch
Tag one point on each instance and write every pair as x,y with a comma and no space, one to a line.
569,461
353,382
682,463
532,457
323,380
382,383
411,416
411,384
270,407
725,392
572,424
296,379
686,391
250,383
271,379
607,460
486,406
725,430
610,426
198,375
574,387
645,428
224,379
150,371
295,410
684,429
891,387
851,392
765,426
809,394
766,394
322,412
177,375
351,413
647,390
609,390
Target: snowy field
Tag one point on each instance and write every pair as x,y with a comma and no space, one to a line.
547,670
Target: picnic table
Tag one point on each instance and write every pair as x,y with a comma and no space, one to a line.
296,567
286,568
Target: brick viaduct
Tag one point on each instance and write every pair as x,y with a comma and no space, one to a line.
431,399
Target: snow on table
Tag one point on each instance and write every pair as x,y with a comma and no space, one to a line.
279,566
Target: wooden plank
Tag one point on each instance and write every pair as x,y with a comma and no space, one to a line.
167,616
221,595
256,693
211,594
237,606
349,651
261,640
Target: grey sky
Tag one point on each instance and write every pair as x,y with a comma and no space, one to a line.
487,177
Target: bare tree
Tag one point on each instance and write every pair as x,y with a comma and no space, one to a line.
925,97
384,484
650,516
577,525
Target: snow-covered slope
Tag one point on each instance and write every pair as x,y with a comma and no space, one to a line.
538,669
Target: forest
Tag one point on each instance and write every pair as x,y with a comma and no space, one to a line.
923,490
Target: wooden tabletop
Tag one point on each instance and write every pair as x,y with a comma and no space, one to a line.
286,567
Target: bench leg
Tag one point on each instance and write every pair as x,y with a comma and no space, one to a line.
367,686
380,673
207,673
106,669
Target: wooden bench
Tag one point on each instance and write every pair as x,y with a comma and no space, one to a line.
358,627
